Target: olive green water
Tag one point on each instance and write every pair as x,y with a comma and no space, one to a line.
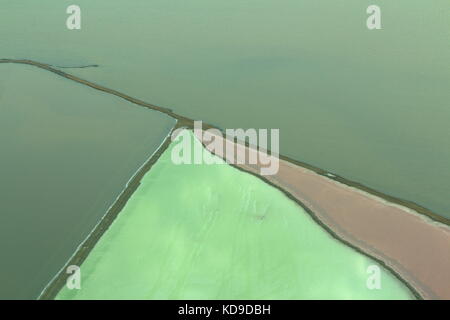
67,152
372,106
214,232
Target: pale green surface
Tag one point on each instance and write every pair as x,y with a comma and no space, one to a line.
213,232
372,106
67,151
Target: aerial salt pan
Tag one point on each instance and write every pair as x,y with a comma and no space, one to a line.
214,232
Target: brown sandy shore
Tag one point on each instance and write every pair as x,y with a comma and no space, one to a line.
412,245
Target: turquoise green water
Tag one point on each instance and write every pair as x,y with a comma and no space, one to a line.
67,152
372,106
213,232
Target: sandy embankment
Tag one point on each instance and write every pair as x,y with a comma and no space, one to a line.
411,244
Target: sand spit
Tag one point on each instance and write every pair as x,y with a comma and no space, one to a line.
415,247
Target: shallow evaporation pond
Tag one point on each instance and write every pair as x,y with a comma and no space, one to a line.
67,153
214,232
